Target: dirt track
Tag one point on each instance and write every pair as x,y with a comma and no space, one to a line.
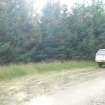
84,88
89,92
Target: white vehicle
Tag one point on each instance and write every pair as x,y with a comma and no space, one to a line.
100,57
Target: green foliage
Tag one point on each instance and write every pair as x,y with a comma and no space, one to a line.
56,34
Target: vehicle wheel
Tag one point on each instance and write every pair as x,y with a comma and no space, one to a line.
100,64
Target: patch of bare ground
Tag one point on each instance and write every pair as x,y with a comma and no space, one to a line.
20,92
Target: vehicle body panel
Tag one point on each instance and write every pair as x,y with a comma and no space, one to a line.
100,56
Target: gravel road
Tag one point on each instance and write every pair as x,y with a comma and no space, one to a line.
70,88
89,92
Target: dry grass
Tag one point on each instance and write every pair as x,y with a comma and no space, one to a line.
20,70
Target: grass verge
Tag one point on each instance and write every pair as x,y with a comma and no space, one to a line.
15,71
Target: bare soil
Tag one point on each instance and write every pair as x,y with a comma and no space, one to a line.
68,88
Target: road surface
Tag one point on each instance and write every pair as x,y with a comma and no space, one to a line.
81,88
90,92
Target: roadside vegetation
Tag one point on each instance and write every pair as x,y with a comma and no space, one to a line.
12,71
60,33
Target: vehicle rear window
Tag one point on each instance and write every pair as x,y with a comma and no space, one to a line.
101,52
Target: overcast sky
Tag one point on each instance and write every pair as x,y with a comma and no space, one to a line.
41,3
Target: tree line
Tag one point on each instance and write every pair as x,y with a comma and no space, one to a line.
58,33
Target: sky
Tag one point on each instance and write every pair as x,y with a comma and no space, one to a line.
70,3
41,3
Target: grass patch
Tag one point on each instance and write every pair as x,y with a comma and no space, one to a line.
20,70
